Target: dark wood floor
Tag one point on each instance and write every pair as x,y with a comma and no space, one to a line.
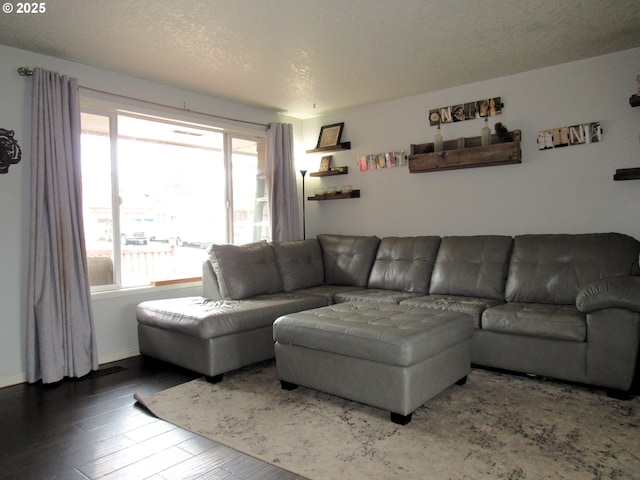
92,428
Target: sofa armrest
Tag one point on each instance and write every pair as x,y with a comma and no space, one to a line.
210,287
615,292
613,338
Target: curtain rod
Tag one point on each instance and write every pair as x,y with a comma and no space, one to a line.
28,72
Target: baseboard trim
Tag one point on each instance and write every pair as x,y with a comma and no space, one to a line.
16,378
13,379
115,355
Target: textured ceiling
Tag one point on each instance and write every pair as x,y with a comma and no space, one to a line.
292,55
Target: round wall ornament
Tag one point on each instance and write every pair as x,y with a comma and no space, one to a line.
10,152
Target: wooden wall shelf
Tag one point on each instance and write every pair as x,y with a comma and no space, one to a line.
627,174
335,148
336,196
465,153
331,172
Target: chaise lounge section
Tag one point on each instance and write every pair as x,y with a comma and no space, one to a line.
230,326
561,306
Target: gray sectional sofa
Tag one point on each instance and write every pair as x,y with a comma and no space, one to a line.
561,306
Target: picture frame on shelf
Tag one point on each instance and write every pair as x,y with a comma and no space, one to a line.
330,135
325,164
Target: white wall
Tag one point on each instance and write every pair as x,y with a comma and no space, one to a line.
565,190
114,314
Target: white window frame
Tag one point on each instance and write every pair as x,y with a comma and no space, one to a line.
103,104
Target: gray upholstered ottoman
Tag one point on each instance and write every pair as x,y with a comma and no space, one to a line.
388,356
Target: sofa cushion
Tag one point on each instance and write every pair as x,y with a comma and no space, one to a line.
328,292
553,268
473,266
300,264
472,306
404,264
348,258
244,271
560,322
376,295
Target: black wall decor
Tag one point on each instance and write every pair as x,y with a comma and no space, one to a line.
10,152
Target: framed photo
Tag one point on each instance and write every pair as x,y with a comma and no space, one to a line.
325,164
330,135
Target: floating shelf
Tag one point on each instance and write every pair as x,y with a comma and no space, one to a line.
334,148
336,196
627,174
331,172
465,153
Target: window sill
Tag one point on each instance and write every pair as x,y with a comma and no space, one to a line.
125,291
174,281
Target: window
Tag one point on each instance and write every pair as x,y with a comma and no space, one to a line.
158,192
250,213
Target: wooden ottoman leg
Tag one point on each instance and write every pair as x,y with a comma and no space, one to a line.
288,385
400,419
214,378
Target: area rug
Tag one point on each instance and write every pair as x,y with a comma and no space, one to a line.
496,426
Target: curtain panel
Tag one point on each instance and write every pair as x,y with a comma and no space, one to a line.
60,327
281,183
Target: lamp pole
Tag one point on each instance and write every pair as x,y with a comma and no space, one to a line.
304,217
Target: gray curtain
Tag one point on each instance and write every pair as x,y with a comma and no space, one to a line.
281,183
60,332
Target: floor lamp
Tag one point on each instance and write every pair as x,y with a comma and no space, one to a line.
304,217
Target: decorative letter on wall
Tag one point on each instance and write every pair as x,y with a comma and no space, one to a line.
573,135
10,152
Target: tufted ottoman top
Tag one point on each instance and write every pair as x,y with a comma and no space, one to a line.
391,334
